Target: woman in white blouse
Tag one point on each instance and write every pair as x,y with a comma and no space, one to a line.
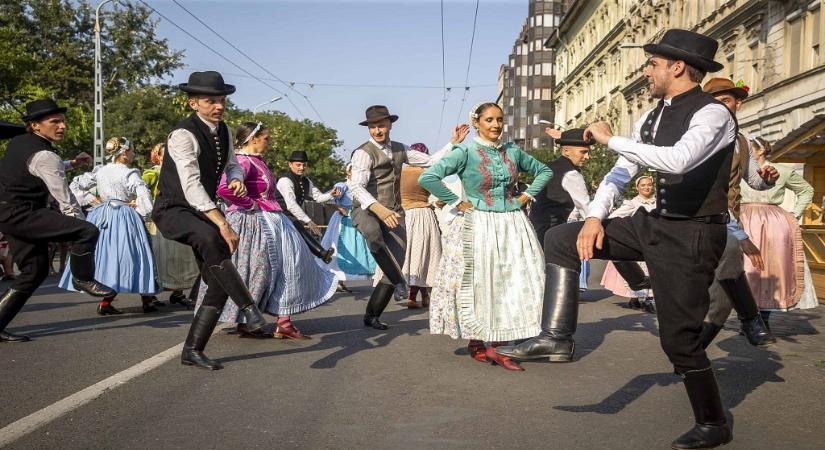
124,254
611,279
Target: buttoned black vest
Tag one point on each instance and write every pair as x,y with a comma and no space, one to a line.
301,187
211,161
553,203
17,185
385,175
702,191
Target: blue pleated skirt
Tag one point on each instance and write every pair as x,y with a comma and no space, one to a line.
123,258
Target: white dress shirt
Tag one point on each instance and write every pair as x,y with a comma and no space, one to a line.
711,129
183,148
361,163
287,189
48,166
116,181
573,182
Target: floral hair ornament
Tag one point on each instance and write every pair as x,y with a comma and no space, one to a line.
419,147
253,133
741,84
123,145
473,114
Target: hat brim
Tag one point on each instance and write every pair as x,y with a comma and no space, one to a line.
297,160
735,91
699,62
573,142
10,130
392,118
46,112
203,90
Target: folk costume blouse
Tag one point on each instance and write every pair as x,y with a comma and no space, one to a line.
488,173
788,179
260,186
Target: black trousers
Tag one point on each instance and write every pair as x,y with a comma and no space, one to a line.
311,240
541,225
191,227
29,231
382,239
681,256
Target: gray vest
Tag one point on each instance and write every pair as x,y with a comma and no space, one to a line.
385,174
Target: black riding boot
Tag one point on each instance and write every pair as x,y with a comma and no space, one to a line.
708,333
633,274
393,273
711,428
314,245
378,302
199,333
83,276
11,303
741,296
558,319
230,280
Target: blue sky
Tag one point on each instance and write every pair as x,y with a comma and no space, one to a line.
378,42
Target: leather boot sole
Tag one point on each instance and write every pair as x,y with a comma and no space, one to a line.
201,366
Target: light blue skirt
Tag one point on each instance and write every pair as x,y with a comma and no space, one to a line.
123,258
352,260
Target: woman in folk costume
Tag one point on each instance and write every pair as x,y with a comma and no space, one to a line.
272,258
785,283
124,254
491,283
176,265
611,279
352,260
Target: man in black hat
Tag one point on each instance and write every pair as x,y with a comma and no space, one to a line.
30,171
198,152
375,186
293,188
567,190
689,139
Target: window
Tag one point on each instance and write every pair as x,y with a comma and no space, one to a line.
523,92
535,143
536,119
537,69
529,71
545,68
524,69
795,40
545,94
530,95
538,20
537,94
814,21
518,71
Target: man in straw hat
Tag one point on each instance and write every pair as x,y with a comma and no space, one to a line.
376,208
30,171
198,153
689,138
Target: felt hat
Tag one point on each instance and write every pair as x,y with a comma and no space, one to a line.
378,112
696,50
41,108
206,83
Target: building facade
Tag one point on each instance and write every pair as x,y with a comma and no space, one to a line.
526,80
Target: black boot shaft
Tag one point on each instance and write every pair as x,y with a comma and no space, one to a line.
199,333
231,282
83,266
11,303
388,265
560,311
711,428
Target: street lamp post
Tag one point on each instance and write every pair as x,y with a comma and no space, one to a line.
98,126
255,109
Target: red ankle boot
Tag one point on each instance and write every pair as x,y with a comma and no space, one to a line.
503,361
477,350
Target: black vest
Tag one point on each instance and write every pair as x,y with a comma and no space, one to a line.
553,203
211,161
17,185
703,191
301,187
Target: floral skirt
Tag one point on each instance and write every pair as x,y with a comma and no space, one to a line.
491,283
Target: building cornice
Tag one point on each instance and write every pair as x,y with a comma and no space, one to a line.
730,21
611,36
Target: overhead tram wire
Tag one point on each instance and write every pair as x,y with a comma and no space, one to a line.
445,91
287,85
370,86
469,62
219,54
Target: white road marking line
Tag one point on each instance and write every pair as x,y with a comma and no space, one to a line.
33,421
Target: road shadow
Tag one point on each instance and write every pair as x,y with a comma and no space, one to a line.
163,319
347,336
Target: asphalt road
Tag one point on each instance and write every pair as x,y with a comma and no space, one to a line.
351,387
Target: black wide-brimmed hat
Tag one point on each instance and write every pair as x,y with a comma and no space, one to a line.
206,83
694,49
376,113
298,156
10,130
574,137
41,108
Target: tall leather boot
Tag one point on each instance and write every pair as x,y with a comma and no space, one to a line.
230,280
633,274
711,428
83,275
393,273
558,319
708,333
314,245
378,301
199,333
739,291
11,303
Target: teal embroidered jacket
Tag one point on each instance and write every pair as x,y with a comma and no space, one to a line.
488,175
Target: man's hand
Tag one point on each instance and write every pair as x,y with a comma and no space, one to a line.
750,249
464,206
237,187
343,211
552,132
591,234
389,217
523,199
230,236
95,201
459,133
769,174
600,131
336,193
82,159
313,228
